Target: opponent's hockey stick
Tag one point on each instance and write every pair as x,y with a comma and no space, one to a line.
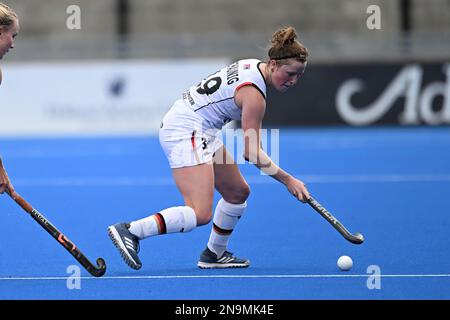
96,271
356,238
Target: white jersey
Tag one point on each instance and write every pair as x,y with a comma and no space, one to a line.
213,98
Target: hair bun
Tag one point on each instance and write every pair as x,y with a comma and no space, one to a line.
285,45
284,36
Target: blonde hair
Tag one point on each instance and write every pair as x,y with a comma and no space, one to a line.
285,46
7,16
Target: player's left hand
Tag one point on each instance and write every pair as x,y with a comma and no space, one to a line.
5,183
298,189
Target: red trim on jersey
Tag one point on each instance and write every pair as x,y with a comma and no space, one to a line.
243,85
250,84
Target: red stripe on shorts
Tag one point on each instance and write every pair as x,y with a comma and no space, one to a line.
193,140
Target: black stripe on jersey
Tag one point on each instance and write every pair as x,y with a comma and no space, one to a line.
212,103
257,67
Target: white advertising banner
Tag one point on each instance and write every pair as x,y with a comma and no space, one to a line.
94,98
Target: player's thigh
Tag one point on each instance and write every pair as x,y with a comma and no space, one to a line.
196,184
228,180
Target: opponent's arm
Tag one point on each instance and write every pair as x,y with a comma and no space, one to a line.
253,107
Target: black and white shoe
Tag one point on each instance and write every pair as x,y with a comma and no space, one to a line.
209,260
127,243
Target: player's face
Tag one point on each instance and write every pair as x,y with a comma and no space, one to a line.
285,76
7,36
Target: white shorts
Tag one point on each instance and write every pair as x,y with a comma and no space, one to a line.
184,140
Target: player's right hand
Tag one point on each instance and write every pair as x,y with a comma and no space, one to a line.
298,189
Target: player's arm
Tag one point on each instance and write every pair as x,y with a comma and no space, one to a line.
5,183
253,107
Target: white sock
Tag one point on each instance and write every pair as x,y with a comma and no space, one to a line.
175,219
225,219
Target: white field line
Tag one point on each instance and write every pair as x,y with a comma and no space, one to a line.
262,276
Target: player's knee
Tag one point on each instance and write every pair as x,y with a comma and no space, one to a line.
238,195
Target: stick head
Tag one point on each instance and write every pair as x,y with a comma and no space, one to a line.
359,237
95,271
100,271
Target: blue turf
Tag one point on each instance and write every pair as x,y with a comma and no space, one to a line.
84,185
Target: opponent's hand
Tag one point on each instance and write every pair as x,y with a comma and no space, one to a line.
5,183
298,189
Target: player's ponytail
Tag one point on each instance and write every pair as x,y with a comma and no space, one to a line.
286,46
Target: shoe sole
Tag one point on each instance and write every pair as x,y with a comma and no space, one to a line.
117,240
206,265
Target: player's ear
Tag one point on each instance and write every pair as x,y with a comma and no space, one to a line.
3,29
272,64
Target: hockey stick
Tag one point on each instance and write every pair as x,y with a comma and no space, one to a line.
356,238
96,271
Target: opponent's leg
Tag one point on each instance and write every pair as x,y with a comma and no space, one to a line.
235,191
